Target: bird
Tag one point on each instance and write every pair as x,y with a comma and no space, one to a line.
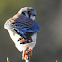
23,29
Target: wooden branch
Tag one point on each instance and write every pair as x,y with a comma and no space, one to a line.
27,60
56,60
8,59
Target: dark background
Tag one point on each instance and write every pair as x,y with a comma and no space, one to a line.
49,40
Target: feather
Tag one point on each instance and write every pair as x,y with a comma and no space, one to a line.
25,26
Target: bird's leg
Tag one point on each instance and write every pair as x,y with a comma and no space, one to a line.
30,52
23,54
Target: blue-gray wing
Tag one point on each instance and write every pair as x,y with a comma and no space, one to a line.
25,26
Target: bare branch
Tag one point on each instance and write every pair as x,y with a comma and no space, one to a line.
27,60
8,59
56,60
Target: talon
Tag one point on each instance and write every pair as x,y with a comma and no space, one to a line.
23,58
30,52
25,52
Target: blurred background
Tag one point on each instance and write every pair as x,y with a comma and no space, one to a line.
49,40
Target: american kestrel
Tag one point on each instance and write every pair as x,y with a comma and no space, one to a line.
23,30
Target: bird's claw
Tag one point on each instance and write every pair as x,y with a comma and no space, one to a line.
28,53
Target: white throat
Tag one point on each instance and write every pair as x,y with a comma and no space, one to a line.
32,17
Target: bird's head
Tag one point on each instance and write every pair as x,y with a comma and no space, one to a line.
29,12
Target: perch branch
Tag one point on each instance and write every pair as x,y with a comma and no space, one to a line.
27,60
8,59
56,60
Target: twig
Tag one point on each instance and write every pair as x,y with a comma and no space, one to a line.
27,60
8,59
56,60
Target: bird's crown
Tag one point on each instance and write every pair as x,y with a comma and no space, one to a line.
27,9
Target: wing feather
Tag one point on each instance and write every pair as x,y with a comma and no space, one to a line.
25,26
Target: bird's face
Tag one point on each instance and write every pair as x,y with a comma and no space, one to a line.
29,12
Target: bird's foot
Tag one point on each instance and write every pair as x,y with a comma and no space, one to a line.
30,52
23,58
27,53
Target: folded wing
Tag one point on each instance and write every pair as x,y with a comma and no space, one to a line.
25,26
